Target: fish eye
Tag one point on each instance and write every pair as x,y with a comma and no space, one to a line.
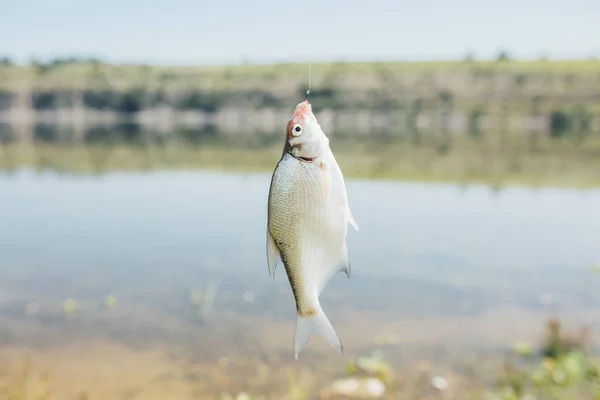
296,130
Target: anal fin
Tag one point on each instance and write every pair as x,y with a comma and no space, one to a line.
273,254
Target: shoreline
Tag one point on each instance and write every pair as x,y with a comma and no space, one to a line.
166,368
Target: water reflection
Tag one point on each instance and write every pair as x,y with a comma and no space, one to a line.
423,251
116,133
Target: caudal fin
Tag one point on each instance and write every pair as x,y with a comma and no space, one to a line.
315,323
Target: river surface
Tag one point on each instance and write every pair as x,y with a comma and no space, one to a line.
433,265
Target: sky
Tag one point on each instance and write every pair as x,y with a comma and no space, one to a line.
267,31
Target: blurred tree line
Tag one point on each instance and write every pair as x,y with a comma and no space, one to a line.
569,104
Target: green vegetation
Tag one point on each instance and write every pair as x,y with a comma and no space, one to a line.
499,122
335,85
562,367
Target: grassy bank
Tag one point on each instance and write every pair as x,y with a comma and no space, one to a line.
516,87
545,99
61,74
551,163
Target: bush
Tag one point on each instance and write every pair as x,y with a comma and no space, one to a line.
98,134
153,99
130,102
560,124
6,100
446,97
503,56
582,121
45,133
474,118
130,133
99,100
196,100
44,100
49,100
6,134
264,99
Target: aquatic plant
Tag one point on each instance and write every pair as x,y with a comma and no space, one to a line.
204,298
111,302
69,306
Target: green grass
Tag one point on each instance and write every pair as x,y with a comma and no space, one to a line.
87,75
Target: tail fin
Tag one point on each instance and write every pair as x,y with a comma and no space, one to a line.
315,323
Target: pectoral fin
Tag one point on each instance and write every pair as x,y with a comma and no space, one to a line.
325,181
351,220
273,254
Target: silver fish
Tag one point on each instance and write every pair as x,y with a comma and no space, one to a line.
308,216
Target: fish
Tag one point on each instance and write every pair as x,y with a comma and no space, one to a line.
307,223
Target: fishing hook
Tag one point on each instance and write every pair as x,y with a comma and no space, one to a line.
309,79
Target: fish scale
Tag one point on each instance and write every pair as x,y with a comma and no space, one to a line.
294,188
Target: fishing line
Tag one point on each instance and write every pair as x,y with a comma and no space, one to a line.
309,79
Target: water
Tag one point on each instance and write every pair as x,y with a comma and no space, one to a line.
433,264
